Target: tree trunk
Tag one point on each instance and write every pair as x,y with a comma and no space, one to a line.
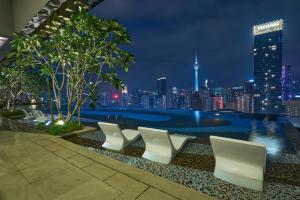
8,105
14,103
78,115
50,100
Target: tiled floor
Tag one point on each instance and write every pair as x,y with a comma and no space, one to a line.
35,166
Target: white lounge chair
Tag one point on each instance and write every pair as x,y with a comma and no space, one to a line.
160,146
39,116
239,162
28,115
117,139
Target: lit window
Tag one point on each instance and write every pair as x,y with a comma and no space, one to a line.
276,106
270,39
266,74
273,87
273,47
266,55
273,75
263,47
269,70
254,49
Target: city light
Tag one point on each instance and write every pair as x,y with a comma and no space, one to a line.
116,96
268,27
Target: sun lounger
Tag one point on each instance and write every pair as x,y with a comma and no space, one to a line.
239,162
39,116
160,145
117,139
28,115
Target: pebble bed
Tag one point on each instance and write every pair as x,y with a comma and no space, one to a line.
193,167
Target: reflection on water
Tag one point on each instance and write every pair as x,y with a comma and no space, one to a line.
273,144
271,126
197,117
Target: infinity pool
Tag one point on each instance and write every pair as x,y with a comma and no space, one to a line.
197,123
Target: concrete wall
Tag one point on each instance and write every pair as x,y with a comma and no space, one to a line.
24,11
6,17
15,14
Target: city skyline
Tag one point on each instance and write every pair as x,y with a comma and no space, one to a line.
165,40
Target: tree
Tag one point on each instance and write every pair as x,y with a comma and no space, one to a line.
18,81
77,57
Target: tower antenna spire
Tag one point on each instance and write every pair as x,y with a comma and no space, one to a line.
196,67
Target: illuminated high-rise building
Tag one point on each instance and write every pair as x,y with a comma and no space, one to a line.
162,86
196,68
286,83
267,67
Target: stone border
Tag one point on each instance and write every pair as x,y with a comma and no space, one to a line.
85,130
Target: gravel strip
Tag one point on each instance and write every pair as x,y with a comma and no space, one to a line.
204,181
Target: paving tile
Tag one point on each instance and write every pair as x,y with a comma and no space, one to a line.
70,145
80,161
99,171
126,185
90,190
57,184
125,197
29,159
18,191
176,190
45,168
65,153
12,184
43,142
130,171
163,184
153,193
53,147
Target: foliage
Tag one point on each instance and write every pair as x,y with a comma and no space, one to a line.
54,129
12,114
77,57
16,81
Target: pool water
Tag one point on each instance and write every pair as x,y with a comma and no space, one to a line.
197,123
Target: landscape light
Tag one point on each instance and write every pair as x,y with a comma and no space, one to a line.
60,122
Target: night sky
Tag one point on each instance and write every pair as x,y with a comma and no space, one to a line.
166,34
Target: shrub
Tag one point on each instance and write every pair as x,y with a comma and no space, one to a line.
54,129
12,114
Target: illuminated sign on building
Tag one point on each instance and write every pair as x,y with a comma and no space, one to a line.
268,27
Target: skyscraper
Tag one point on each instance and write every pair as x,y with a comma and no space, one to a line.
162,93
286,83
267,67
196,67
162,86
